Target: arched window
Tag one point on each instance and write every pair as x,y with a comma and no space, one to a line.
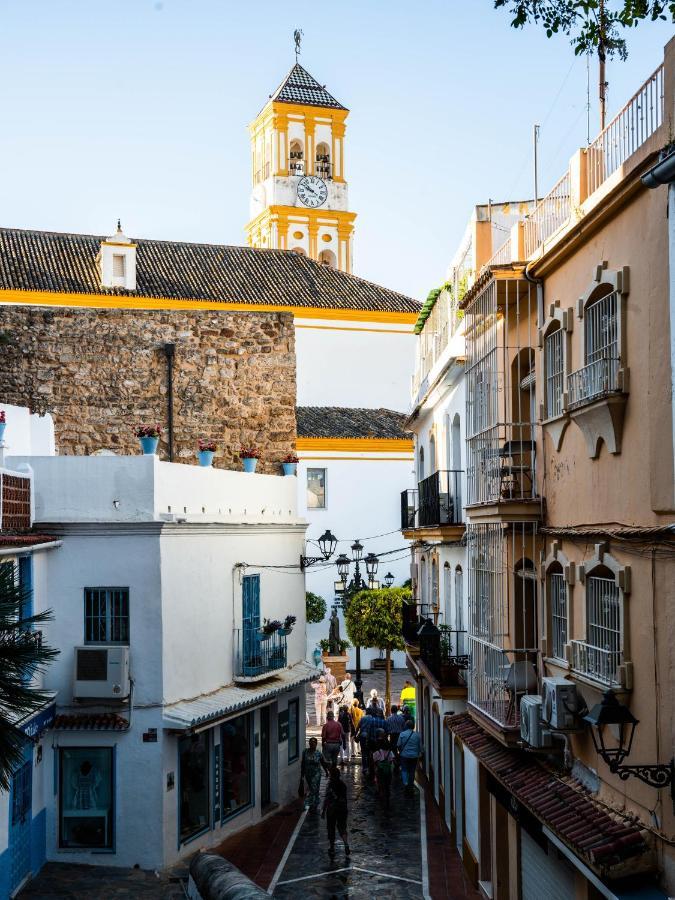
423,586
459,599
554,366
322,165
420,464
432,454
447,592
556,592
327,258
435,599
296,165
603,625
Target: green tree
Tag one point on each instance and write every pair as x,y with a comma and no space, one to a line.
22,655
315,608
375,619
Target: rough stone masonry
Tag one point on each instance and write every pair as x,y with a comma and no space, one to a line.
102,372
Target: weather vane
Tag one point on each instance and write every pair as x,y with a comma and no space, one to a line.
297,37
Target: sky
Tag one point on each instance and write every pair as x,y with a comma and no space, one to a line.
139,109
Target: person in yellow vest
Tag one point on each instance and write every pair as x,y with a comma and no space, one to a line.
356,714
408,697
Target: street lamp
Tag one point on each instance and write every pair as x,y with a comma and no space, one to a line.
388,580
609,716
327,545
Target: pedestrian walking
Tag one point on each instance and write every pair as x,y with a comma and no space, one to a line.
394,725
376,701
320,700
408,697
331,738
383,761
348,690
345,721
366,737
335,810
355,714
410,750
310,770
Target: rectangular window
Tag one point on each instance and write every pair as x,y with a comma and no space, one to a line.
193,774
603,630
86,809
553,354
558,606
237,768
293,730
316,488
106,615
119,265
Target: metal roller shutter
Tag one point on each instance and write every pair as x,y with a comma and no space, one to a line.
544,875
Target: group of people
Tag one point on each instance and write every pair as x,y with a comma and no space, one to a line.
328,694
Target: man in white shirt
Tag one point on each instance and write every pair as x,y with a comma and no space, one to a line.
348,689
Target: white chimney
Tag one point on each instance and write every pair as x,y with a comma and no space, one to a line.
117,261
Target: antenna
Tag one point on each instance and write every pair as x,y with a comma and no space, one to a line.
297,37
535,141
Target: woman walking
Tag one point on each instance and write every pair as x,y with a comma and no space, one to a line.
356,714
335,810
310,770
346,721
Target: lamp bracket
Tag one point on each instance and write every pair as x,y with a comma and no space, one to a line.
306,561
656,776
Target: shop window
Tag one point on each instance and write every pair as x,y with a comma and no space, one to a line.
316,488
193,755
106,615
293,730
86,798
237,764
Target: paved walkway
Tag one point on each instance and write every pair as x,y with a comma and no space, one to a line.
67,881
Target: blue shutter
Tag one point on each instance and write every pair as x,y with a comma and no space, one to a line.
26,583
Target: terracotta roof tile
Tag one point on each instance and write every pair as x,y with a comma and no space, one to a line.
587,828
91,722
51,261
343,422
25,540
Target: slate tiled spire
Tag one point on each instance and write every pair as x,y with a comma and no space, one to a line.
299,87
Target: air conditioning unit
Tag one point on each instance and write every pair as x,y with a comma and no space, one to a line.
560,703
101,672
531,730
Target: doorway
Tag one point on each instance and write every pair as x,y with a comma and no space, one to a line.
265,762
21,808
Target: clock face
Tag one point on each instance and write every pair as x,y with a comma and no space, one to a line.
312,191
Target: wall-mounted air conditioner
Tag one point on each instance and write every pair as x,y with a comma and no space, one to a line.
101,672
531,729
561,703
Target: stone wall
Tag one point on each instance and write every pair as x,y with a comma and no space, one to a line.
102,372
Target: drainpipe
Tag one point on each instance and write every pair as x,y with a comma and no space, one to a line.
660,174
170,352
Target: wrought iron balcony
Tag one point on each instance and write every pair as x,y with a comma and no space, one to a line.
256,655
591,382
408,509
502,464
440,499
597,664
498,678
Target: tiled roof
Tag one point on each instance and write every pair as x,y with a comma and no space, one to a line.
91,722
343,422
299,87
52,261
601,839
25,540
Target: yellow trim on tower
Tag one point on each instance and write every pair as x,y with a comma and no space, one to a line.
353,445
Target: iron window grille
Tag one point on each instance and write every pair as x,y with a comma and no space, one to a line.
106,615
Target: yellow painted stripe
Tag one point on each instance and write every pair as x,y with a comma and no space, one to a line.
361,458
107,301
363,445
344,328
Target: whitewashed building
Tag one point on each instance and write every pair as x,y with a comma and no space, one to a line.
175,723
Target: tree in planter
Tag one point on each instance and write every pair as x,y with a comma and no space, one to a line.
22,655
315,608
375,619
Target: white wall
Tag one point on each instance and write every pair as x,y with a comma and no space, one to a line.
471,801
363,498
27,432
341,366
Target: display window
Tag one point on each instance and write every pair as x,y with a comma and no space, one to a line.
86,807
237,765
193,752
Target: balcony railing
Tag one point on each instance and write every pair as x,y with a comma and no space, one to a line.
323,169
595,380
296,167
549,215
502,464
408,509
440,499
14,502
257,655
498,679
597,663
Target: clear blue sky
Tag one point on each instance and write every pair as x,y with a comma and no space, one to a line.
139,108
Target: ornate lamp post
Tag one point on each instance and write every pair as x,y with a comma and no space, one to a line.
327,545
346,591
612,728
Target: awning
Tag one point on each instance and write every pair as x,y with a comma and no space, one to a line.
609,843
37,722
205,710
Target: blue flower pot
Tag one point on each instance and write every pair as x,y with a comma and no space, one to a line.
206,457
290,468
3,425
149,445
249,464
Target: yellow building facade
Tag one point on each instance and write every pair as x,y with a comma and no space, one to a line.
299,198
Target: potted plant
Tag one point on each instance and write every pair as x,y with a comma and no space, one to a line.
3,425
268,628
149,435
324,643
449,668
287,626
249,457
206,449
290,464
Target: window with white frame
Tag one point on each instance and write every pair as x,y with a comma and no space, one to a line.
106,615
555,372
316,488
557,593
603,627
119,265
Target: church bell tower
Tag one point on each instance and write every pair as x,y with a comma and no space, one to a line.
299,198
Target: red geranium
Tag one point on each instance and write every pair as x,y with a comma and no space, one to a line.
143,431
249,453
